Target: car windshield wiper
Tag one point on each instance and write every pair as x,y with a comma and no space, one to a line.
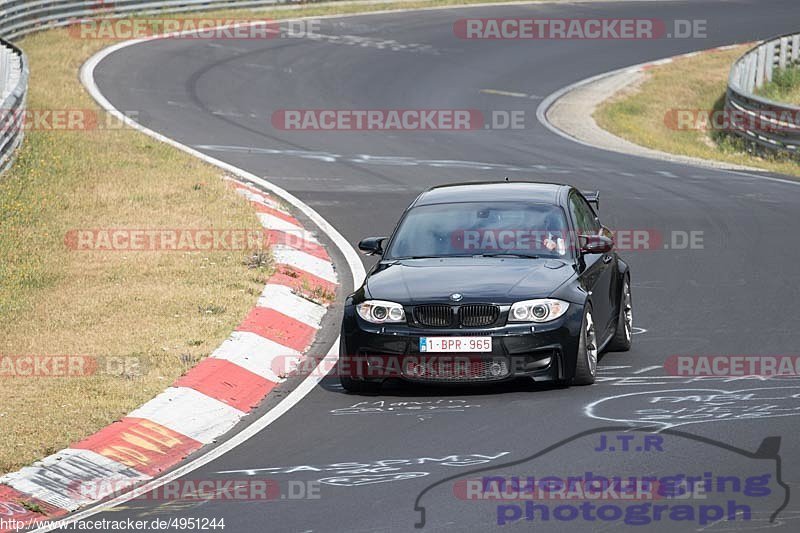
497,254
449,256
509,254
417,257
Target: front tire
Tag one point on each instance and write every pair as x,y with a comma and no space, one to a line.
586,365
622,340
349,383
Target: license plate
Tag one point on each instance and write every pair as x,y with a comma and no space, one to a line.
455,344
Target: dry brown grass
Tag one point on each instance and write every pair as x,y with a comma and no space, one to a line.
696,82
146,305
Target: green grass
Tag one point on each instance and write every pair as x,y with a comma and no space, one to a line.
641,115
784,87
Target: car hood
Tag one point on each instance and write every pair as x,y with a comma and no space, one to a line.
495,280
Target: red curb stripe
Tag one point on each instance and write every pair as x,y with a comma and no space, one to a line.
295,241
151,448
228,383
278,327
261,208
12,509
294,277
267,196
140,444
239,185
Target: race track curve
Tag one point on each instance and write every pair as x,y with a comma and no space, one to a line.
736,295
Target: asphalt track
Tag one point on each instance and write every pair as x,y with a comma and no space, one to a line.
735,295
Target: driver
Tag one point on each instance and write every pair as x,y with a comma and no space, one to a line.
554,233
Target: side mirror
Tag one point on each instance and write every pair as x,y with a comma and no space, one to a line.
372,245
596,244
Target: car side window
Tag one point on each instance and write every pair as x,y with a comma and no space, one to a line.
585,220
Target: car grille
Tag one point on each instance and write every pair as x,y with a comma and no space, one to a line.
455,370
474,316
469,315
434,316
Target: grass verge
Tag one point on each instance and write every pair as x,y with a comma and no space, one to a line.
163,311
644,114
784,87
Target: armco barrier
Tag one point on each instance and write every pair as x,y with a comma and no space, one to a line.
769,125
13,91
20,17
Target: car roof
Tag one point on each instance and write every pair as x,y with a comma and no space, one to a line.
495,191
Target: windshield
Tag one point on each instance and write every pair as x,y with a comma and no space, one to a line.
481,228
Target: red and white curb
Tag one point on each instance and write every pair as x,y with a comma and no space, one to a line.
200,406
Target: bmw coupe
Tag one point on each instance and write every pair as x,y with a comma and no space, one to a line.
485,282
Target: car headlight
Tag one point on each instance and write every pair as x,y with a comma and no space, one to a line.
542,310
380,312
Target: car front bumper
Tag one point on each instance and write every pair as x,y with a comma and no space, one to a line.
543,352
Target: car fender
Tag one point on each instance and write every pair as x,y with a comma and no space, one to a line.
622,266
623,270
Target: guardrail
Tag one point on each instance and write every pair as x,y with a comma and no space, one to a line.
21,17
13,91
766,124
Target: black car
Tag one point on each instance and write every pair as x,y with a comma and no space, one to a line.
486,282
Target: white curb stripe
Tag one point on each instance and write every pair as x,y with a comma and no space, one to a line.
282,299
287,255
254,353
261,199
191,413
272,222
306,386
68,478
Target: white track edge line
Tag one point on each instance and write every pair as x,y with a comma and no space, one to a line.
351,257
547,103
306,386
